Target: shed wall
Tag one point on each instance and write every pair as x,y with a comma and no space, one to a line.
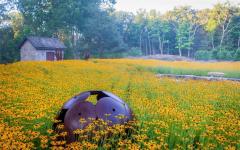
41,54
28,52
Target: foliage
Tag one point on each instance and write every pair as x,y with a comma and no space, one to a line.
171,114
74,22
224,55
8,50
237,55
94,27
219,54
203,55
135,51
113,55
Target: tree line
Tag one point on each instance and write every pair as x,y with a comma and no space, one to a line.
93,27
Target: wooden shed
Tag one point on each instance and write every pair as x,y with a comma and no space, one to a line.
42,48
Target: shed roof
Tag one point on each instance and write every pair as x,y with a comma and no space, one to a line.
45,43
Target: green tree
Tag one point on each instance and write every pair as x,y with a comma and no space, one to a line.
8,49
221,16
141,25
3,10
183,21
69,20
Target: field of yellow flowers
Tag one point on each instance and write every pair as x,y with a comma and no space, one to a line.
171,114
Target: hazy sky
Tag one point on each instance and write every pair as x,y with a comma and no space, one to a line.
164,5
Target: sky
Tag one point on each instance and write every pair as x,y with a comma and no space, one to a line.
165,5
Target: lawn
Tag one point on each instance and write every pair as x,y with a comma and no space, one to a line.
181,114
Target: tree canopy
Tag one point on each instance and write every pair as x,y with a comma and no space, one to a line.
94,27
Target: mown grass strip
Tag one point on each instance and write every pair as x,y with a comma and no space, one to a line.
181,71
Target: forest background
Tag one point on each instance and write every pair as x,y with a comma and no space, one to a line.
95,27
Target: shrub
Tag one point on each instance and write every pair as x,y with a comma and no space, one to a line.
224,55
203,55
214,53
237,55
115,55
135,51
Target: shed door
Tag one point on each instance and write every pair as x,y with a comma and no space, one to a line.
59,54
50,56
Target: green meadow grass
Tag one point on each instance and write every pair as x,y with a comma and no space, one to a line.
180,71
188,114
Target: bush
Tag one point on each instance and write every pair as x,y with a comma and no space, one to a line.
214,53
203,55
224,55
237,55
135,51
115,55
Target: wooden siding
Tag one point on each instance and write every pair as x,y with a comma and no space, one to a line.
28,52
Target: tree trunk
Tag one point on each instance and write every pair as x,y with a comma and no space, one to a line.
146,45
238,42
212,41
149,44
189,46
224,30
222,37
180,51
153,49
168,48
159,46
73,44
162,48
189,53
140,41
179,47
